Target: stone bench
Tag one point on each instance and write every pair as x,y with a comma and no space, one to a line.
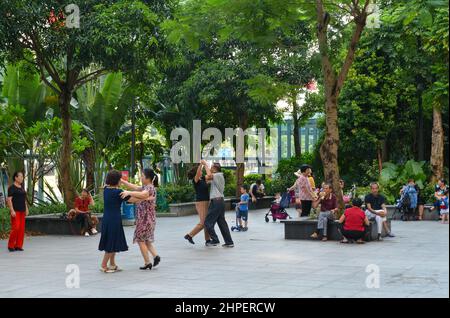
428,215
296,229
188,208
53,224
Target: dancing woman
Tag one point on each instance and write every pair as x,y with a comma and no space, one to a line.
145,196
201,201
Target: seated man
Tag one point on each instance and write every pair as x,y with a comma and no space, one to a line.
82,214
376,209
257,190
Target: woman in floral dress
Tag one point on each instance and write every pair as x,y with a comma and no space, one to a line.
145,215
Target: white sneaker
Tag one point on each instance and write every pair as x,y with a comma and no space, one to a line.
86,234
94,231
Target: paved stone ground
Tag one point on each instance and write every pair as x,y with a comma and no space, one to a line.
263,264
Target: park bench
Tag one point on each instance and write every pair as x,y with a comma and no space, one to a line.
53,224
297,229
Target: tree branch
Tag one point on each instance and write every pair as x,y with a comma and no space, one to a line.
360,21
322,26
89,77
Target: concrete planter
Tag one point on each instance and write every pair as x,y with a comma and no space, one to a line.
302,230
427,214
52,224
188,208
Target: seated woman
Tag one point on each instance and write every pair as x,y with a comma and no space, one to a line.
354,220
82,214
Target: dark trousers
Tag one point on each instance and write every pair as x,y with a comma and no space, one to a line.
306,207
353,235
216,214
85,221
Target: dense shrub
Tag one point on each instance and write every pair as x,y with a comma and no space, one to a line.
177,193
5,223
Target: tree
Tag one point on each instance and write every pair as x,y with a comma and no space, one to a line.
102,108
114,36
428,22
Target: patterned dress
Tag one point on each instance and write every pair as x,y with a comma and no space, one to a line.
145,218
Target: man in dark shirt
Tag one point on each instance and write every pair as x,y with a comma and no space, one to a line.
376,209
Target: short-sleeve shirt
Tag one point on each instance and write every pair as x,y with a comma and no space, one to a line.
376,202
19,197
328,204
244,198
354,219
201,190
217,186
304,185
82,204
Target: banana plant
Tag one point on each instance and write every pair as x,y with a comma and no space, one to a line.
102,108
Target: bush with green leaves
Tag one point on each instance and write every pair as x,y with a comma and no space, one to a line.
5,222
393,177
284,175
174,193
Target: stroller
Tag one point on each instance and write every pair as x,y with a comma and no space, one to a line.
278,210
404,205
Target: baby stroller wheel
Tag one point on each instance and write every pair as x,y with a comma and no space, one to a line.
267,219
274,219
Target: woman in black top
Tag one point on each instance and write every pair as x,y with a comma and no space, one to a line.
17,203
201,201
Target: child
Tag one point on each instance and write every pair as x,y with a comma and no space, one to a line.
242,209
112,238
444,207
277,198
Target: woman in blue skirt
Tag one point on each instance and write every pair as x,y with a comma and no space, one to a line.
112,238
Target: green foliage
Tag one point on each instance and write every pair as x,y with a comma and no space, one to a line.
177,194
284,175
5,222
393,177
252,178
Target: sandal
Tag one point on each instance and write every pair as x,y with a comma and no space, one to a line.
106,270
344,241
360,242
115,268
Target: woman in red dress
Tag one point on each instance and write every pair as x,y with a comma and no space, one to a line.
145,215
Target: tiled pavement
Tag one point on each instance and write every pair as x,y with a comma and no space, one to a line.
263,264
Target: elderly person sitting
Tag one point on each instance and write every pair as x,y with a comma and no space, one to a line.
328,207
353,221
82,214
376,210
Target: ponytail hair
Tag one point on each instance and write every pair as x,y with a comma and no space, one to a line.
152,176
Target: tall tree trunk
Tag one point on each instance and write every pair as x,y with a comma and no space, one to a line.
88,157
330,146
295,120
333,83
380,159
68,188
437,145
240,167
420,129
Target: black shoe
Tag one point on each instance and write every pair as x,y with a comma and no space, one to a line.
189,239
156,260
11,249
379,237
228,245
145,267
19,249
211,243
